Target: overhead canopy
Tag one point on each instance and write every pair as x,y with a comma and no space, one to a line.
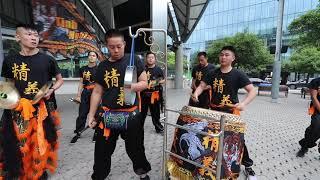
188,14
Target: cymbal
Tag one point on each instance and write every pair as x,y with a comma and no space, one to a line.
9,95
42,92
130,77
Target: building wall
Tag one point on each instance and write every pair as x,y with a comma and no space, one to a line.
224,18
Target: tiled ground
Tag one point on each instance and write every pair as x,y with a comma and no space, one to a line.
272,136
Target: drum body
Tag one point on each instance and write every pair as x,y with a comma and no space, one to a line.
204,149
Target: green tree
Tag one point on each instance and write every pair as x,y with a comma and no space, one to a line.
171,57
252,55
306,29
306,60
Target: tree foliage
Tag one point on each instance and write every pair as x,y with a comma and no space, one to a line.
171,57
252,56
306,29
305,60
306,42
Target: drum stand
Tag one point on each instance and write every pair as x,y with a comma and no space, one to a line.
155,48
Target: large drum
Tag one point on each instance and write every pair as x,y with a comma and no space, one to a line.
204,149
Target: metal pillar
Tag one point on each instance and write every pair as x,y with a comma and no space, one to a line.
277,62
159,20
1,50
178,80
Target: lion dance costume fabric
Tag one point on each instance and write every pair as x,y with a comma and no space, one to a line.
204,149
29,140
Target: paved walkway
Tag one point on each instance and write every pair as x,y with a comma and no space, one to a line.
272,136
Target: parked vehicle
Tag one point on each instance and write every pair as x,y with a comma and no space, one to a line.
299,84
257,81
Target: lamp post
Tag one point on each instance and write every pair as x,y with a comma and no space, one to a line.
277,61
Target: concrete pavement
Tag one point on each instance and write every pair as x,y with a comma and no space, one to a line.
274,130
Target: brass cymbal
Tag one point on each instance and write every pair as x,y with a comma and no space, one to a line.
9,95
42,92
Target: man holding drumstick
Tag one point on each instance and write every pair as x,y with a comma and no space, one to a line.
225,83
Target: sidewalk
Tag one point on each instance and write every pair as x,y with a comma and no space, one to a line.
274,130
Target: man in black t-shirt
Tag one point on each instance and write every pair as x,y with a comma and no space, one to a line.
28,136
198,74
312,133
85,88
151,96
109,91
225,83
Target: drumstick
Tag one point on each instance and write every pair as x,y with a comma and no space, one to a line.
74,100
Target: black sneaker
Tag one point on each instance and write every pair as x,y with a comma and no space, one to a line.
145,178
94,137
319,147
302,152
44,176
159,131
75,138
249,172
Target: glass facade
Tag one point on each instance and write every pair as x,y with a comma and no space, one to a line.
224,18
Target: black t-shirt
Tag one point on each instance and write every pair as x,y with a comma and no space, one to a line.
199,72
315,84
30,73
110,75
225,86
153,74
87,73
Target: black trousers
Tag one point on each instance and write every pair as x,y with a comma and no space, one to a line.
312,133
104,149
84,108
246,161
154,109
204,100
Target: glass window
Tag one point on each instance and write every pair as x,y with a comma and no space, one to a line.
299,6
291,7
264,10
219,16
246,13
271,12
251,26
285,23
290,18
239,29
241,17
257,13
219,32
307,5
215,6
229,17
257,27
263,26
252,13
213,34
215,20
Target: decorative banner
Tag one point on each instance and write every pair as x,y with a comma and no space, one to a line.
62,29
204,149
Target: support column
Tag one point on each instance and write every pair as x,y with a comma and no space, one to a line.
1,49
159,20
178,80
